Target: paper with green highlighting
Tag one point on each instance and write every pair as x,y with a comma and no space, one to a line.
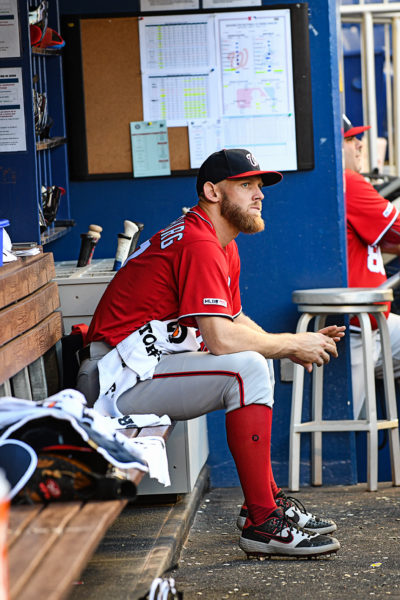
150,149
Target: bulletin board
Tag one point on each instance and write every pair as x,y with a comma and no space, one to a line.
104,94
103,88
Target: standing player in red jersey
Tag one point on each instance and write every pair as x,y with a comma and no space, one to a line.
178,293
373,224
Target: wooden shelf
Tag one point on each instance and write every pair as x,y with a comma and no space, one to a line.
45,161
46,51
50,143
54,233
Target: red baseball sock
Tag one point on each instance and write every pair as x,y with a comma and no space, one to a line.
248,431
275,489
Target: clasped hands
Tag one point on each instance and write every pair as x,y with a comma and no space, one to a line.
317,347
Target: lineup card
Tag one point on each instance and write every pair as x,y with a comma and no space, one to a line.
233,68
150,150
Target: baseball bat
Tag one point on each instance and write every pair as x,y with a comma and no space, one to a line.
88,244
124,242
135,237
130,228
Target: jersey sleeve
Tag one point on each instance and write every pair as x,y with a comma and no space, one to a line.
392,236
370,215
204,282
234,274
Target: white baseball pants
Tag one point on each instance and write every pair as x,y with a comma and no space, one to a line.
189,384
357,363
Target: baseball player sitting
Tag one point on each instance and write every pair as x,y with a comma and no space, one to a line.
373,224
178,293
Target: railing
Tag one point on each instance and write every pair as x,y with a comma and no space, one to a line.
368,15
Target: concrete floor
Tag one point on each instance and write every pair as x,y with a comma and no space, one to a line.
213,567
195,540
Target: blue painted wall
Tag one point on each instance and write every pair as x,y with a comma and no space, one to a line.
303,245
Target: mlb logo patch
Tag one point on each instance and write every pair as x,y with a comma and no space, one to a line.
388,209
215,302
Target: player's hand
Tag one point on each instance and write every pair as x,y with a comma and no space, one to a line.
307,366
313,348
334,332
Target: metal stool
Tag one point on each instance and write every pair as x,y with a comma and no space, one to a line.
320,303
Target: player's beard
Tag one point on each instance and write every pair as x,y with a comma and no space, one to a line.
236,216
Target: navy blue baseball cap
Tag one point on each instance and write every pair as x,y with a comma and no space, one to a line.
234,163
350,131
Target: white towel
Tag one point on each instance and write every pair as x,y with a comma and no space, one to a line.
155,454
136,357
139,421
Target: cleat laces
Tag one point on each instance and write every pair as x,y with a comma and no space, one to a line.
286,523
289,501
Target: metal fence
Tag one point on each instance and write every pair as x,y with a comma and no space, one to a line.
368,15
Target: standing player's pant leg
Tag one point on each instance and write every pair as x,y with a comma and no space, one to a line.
190,384
357,370
393,323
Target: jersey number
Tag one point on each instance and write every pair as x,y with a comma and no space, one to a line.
375,262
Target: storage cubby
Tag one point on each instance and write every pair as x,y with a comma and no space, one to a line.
24,175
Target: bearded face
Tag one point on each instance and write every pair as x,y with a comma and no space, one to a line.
239,217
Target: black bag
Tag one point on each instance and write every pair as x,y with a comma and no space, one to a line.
63,478
68,468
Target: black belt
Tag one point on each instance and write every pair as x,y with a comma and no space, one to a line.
84,353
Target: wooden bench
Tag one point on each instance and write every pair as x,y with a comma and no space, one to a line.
48,545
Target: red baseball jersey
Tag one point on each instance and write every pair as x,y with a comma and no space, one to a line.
369,218
180,273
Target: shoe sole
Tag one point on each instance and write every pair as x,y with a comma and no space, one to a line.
240,521
260,549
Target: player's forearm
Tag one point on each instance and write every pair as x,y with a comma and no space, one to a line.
245,320
221,336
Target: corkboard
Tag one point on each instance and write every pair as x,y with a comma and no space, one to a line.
113,96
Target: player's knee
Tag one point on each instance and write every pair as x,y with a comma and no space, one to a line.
253,382
252,362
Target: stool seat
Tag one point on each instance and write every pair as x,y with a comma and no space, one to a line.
342,296
318,304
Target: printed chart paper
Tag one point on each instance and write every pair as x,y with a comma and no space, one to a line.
257,81
12,118
271,140
179,73
231,67
150,150
205,137
176,44
9,29
230,3
178,98
165,5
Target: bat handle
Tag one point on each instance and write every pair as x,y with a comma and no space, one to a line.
124,241
87,248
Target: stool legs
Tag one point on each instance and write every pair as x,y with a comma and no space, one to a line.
370,403
370,424
317,391
390,398
295,419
